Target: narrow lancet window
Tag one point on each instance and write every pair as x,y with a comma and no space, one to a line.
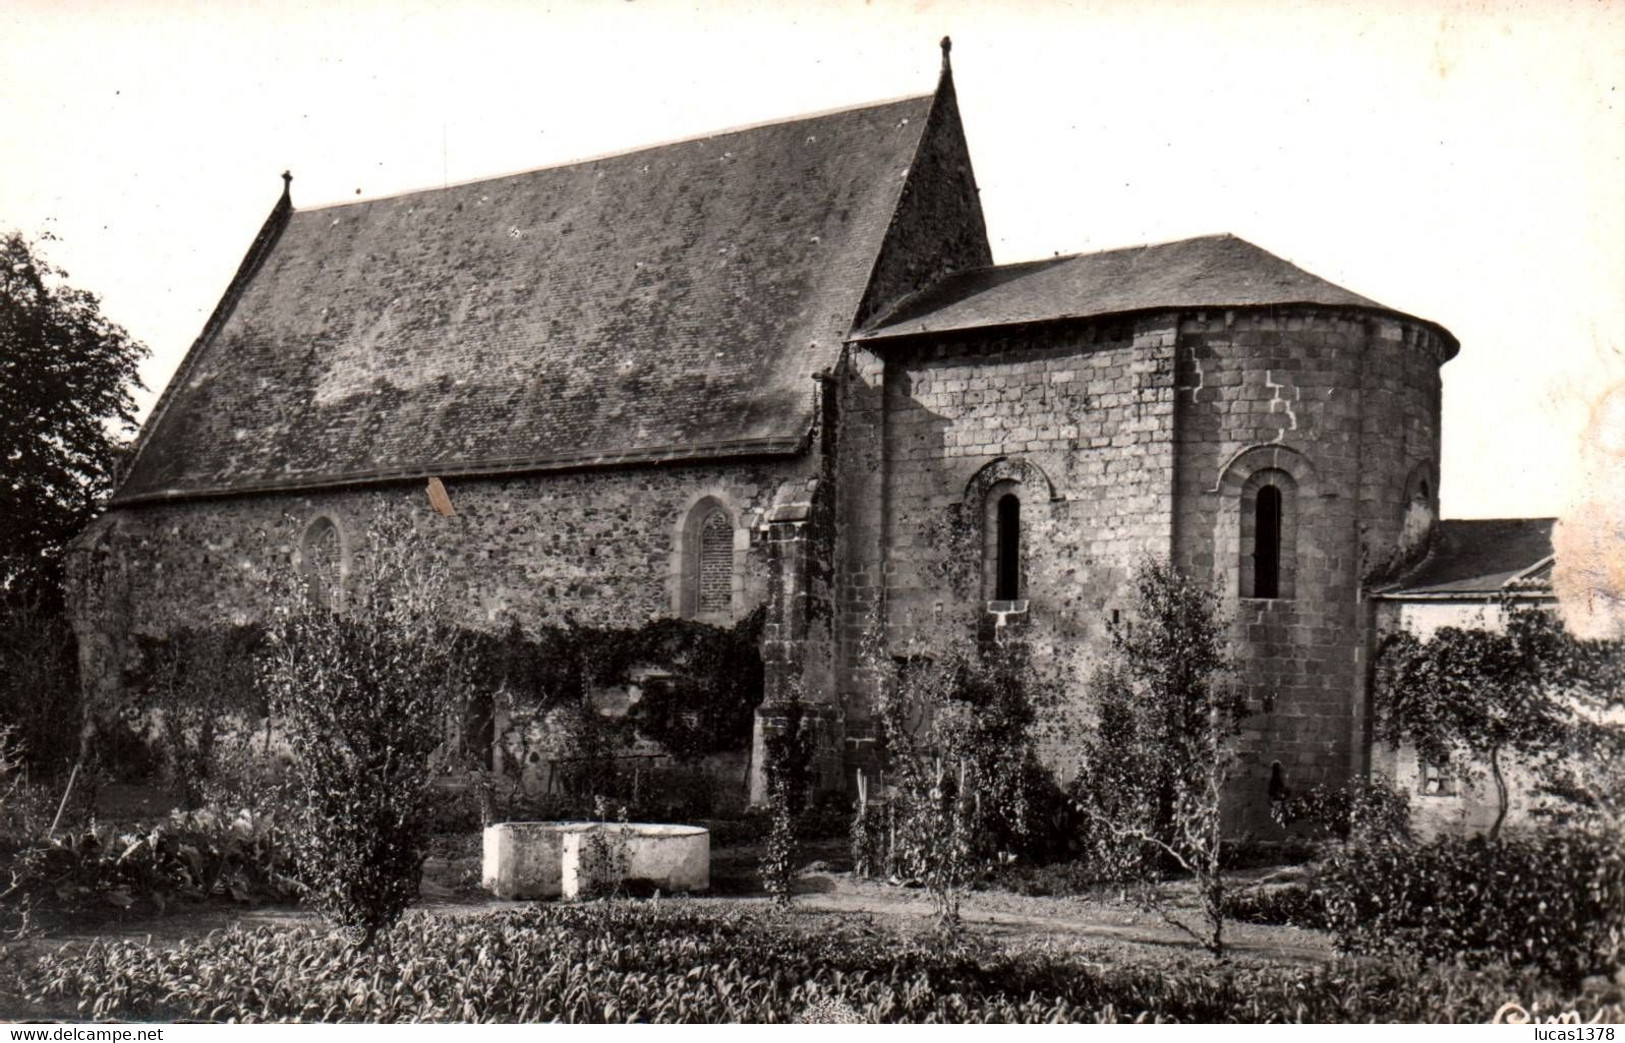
1008,585
1267,544
323,563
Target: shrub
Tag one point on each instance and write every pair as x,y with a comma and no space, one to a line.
1554,901
1053,880
191,856
605,854
693,962
1292,905
1152,775
1373,809
960,767
201,683
364,697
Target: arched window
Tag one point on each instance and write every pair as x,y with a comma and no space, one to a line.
1268,534
1421,485
321,560
1007,586
706,565
1004,551
716,572
1267,543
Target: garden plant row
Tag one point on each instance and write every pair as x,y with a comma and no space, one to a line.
692,961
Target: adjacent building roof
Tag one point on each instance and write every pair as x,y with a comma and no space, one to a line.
669,303
1214,271
1482,558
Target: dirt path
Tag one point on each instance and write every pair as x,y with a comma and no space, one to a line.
1111,925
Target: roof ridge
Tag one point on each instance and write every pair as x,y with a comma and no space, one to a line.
1216,270
742,128
1060,257
1162,242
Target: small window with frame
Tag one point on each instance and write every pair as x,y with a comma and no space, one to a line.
1437,778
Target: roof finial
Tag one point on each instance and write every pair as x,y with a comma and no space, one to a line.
947,45
287,184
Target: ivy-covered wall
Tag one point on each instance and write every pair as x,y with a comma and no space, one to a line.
600,549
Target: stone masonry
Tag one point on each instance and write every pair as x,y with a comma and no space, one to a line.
801,325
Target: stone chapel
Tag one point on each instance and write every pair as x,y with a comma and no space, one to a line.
778,367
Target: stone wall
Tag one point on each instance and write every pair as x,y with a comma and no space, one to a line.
1077,420
1345,405
601,548
860,475
1144,436
1121,438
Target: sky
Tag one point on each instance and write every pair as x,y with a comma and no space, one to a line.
1460,162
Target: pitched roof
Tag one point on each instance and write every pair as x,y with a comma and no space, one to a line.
1480,558
669,303
1207,272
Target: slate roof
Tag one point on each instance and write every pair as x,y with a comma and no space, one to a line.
1482,557
1212,271
669,303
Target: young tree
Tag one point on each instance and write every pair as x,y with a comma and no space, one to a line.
66,376
363,688
1151,776
1470,696
960,767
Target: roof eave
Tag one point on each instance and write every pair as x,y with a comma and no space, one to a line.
1506,590
657,456
871,336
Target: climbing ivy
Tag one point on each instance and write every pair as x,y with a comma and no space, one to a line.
700,683
700,686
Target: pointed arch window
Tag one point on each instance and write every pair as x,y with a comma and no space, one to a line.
708,562
321,561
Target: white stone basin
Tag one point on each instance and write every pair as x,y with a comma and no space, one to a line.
525,859
556,859
671,858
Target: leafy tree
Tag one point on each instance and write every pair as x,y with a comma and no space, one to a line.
1470,696
39,679
1151,776
66,376
1588,778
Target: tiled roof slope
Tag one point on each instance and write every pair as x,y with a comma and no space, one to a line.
1210,271
1481,557
667,303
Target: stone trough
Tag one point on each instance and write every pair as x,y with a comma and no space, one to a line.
562,859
